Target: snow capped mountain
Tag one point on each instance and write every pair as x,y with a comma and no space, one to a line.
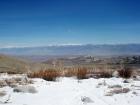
73,49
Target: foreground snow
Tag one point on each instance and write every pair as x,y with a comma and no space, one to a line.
69,91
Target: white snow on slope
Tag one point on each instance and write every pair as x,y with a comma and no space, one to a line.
69,91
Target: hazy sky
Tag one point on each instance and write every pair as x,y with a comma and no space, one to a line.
43,22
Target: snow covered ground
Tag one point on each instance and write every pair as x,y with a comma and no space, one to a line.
69,91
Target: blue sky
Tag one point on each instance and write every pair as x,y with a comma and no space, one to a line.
46,22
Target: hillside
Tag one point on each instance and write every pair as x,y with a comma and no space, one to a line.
14,64
10,64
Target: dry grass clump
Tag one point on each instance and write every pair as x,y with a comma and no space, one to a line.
49,75
78,72
125,72
82,73
85,73
105,74
70,72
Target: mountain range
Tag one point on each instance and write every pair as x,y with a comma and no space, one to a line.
89,49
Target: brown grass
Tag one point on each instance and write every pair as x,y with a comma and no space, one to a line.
78,72
49,75
105,74
82,73
70,72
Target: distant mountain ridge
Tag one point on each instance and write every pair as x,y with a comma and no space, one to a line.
89,49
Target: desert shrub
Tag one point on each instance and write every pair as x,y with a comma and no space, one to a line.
125,72
82,73
78,72
70,72
102,74
49,75
105,74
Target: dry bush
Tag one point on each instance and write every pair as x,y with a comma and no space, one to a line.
125,72
82,73
100,74
78,72
49,75
70,72
105,74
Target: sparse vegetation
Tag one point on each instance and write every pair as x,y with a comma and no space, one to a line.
78,72
15,81
125,72
85,69
82,73
49,75
103,74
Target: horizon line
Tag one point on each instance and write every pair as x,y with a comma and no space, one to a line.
57,45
